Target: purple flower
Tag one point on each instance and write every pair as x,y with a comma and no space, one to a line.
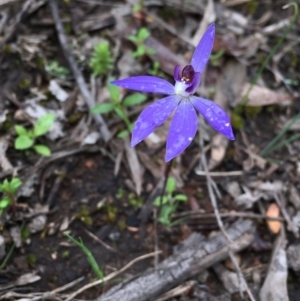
181,99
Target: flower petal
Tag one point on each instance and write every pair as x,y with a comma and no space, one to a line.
214,115
177,71
152,117
182,130
203,50
195,83
151,84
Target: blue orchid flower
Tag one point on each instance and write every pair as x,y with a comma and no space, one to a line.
181,99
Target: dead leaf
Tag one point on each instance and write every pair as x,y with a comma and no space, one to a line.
230,82
293,256
294,197
273,211
91,138
134,165
4,162
57,91
27,278
150,165
275,285
261,96
218,150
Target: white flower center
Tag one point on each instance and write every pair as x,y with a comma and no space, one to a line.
180,88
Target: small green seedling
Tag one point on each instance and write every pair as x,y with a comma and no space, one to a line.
8,189
119,107
155,70
139,39
134,201
90,258
101,60
169,202
56,70
26,138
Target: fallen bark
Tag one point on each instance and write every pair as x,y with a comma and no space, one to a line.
193,257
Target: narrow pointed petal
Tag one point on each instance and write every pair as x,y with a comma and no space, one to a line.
152,117
203,50
151,84
214,115
182,130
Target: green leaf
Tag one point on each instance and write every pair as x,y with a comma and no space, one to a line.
158,203
23,142
123,134
171,184
42,150
20,130
114,91
120,113
181,197
150,51
6,186
134,99
165,213
43,125
140,51
103,108
5,202
1,188
15,184
133,38
143,34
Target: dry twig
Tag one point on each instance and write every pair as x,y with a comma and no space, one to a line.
86,94
210,185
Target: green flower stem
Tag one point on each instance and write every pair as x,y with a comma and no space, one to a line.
283,143
90,257
126,120
270,147
3,264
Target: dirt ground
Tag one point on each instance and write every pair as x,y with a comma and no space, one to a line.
95,187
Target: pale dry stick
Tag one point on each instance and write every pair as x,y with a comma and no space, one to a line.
101,242
86,94
201,215
243,282
234,173
111,276
41,295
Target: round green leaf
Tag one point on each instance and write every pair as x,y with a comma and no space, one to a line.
15,184
42,150
20,130
5,202
23,142
43,125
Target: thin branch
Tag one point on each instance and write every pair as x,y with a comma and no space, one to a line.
110,276
243,282
86,94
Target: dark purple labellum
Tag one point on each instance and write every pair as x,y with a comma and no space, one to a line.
187,74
